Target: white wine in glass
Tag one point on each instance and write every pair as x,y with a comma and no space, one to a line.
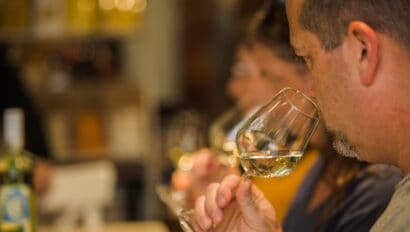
274,139
279,163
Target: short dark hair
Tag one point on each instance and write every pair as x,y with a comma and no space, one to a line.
270,28
329,19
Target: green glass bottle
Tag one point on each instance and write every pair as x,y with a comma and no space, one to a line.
17,200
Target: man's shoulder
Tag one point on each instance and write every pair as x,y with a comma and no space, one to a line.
395,217
372,187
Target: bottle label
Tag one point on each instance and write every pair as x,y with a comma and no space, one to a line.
15,208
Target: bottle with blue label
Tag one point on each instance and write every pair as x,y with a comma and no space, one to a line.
17,200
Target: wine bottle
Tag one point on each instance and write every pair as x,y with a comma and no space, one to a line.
17,200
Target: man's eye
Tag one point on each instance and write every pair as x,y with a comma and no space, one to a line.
305,60
299,59
308,61
263,73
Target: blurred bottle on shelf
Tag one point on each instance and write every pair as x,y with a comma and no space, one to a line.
49,18
88,138
120,16
126,123
66,19
82,16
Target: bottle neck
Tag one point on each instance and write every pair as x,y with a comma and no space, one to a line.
14,129
14,150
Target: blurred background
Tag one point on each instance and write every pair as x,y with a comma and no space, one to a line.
104,79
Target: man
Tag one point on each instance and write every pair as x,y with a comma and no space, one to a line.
358,53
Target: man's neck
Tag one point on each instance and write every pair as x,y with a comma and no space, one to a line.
403,161
401,133
400,107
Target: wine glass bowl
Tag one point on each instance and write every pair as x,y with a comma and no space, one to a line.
184,136
273,140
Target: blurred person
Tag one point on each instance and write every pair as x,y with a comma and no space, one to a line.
339,194
15,95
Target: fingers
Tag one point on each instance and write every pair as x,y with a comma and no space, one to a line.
255,208
246,199
226,191
201,217
211,206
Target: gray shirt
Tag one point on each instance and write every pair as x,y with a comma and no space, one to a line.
396,217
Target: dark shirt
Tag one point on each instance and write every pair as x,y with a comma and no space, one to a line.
367,196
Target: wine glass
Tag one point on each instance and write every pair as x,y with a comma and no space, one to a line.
183,137
222,134
272,141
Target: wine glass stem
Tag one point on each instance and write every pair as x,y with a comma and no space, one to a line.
246,176
185,220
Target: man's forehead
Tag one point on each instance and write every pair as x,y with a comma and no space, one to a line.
293,8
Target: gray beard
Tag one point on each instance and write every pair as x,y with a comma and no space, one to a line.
343,147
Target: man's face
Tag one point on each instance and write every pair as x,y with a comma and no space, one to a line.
335,85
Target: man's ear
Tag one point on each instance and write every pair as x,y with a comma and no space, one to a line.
366,49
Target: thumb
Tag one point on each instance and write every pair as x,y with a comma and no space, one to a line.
255,208
246,200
